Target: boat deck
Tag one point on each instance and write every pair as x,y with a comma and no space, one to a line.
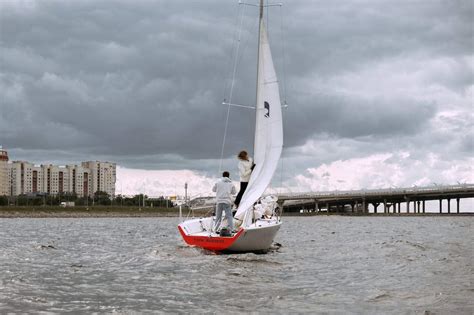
257,224
212,234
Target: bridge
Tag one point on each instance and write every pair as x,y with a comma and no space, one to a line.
389,200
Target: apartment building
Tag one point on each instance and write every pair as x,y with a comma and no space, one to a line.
102,175
21,177
5,189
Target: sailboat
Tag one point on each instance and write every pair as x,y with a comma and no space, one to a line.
258,217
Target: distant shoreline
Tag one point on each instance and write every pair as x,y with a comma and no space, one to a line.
111,214
88,212
135,212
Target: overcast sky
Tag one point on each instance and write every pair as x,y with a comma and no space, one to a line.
380,93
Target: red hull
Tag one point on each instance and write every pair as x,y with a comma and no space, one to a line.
214,243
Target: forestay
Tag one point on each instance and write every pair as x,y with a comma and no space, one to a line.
268,127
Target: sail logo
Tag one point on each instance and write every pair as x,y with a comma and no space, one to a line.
267,107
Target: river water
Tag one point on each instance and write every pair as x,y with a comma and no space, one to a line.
326,264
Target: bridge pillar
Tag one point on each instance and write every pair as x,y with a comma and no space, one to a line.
457,205
399,207
449,205
375,204
364,206
352,207
408,205
316,205
423,206
441,206
419,204
327,207
385,206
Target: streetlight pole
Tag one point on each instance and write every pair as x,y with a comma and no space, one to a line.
185,194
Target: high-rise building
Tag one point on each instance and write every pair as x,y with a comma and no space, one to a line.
103,176
4,174
79,180
83,180
21,178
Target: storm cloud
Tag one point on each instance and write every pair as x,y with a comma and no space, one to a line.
141,83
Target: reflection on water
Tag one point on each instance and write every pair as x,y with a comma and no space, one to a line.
324,265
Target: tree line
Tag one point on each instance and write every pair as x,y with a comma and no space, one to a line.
99,198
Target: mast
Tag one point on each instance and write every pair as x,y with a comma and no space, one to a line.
260,21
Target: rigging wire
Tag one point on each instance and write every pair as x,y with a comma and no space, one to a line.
226,79
232,74
284,105
232,85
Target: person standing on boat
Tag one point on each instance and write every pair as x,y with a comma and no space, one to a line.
245,169
224,190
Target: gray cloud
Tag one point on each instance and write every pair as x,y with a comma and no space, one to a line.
141,83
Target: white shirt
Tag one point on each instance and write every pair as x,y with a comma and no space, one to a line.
224,190
245,169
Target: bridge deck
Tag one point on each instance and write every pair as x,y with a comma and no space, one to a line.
390,198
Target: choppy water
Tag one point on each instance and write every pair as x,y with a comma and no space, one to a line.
364,265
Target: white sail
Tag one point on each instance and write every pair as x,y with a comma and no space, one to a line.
268,127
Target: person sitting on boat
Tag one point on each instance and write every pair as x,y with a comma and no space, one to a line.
245,169
224,190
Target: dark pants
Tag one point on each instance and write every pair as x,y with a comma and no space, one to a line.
243,186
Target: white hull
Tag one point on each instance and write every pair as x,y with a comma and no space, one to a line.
257,238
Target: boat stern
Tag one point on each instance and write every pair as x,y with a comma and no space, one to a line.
204,239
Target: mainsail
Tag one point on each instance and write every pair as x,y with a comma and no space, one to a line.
268,127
